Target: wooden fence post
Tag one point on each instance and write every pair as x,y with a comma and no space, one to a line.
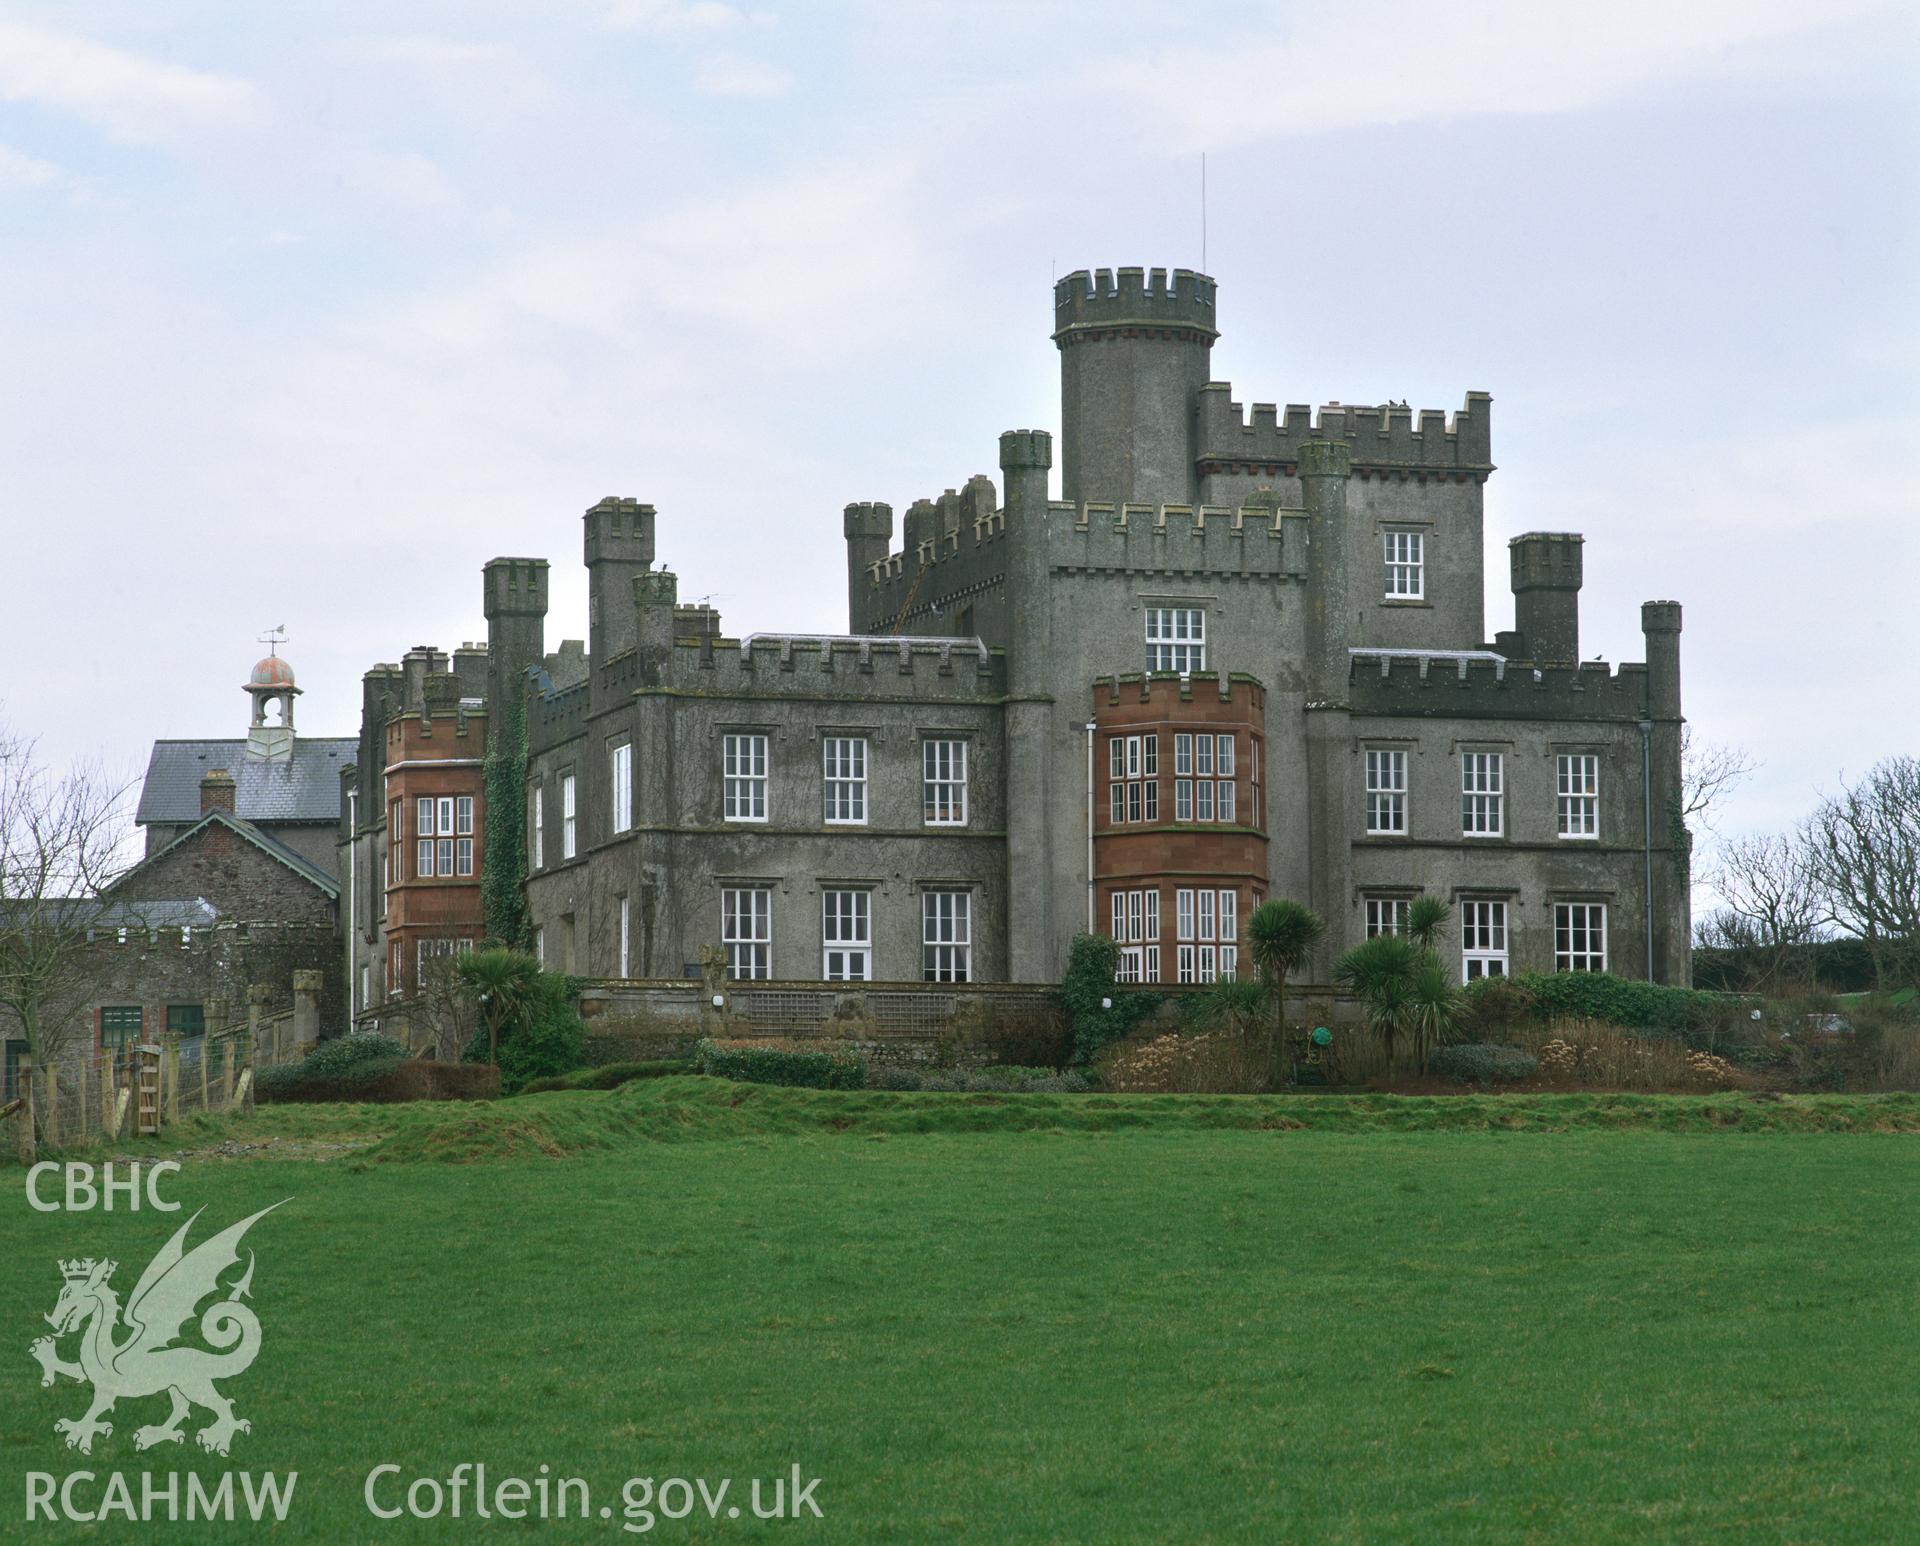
146,1090
28,1140
52,1072
240,1096
170,1077
106,1097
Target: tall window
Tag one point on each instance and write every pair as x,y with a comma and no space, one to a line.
845,759
1386,915
539,826
1206,929
1579,936
1406,565
626,959
622,758
946,934
746,930
426,950
1483,940
569,818
539,946
1578,777
443,836
1203,777
1386,791
1176,639
463,835
1133,778
396,845
1136,929
743,768
846,934
1482,794
943,782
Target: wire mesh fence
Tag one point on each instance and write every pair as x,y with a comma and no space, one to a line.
132,1089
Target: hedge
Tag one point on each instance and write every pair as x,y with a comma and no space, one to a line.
773,1065
1646,1006
379,1081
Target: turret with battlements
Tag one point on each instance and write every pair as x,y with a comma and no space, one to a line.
1134,352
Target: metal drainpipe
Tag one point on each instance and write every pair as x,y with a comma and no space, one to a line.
1090,730
353,896
1646,822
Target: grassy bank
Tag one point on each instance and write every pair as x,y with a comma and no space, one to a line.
1566,1318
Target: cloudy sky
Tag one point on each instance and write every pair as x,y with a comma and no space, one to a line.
308,311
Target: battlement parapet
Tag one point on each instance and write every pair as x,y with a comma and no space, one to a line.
1385,441
1095,303
619,531
862,665
1170,688
1470,684
557,716
1259,539
514,587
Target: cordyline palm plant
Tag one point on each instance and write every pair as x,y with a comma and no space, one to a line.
1380,974
1410,996
1280,938
504,983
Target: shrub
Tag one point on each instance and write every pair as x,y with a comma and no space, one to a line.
1208,1063
1479,1062
333,1057
1619,1001
541,1036
1091,966
1492,1004
780,1065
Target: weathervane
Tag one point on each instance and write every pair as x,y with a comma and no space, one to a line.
274,637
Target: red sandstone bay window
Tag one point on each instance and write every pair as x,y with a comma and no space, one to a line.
1207,934
1133,770
1203,777
443,832
1136,929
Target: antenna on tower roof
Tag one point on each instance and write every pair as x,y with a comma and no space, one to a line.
1203,211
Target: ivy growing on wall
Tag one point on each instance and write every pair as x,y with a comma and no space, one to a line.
503,868
1680,838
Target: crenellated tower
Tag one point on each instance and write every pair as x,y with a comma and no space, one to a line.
1135,351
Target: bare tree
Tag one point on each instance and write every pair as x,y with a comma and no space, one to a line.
442,1015
1774,906
1708,774
1862,850
63,843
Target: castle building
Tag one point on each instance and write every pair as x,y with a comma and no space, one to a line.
1244,655
412,810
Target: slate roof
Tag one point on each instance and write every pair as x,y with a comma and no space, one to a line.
304,787
298,863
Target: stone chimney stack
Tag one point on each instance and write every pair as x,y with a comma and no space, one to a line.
217,792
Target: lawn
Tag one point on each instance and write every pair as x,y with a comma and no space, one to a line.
1183,1319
